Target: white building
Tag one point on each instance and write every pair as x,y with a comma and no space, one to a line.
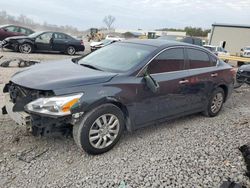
231,37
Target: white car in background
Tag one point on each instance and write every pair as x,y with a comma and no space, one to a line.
108,40
245,52
116,38
96,45
217,50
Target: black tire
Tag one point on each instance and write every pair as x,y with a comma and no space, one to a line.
209,112
81,131
26,48
71,50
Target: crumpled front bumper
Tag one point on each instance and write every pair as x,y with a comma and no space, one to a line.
21,118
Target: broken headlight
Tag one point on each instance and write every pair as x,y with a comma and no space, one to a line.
58,106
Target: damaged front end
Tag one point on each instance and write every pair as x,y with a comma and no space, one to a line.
17,98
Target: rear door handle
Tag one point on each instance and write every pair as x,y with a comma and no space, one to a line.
183,81
214,74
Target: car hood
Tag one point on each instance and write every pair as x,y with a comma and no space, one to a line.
17,38
58,75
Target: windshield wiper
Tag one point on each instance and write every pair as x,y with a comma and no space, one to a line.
90,66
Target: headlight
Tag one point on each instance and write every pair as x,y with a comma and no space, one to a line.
58,106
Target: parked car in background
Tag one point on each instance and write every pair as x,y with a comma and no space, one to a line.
217,50
44,41
116,38
96,45
243,74
189,40
125,85
192,40
245,52
13,30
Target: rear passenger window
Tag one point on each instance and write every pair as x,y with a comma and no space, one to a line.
198,59
168,61
60,36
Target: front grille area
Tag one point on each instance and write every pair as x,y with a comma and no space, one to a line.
21,96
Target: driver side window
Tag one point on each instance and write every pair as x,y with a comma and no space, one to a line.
44,38
168,61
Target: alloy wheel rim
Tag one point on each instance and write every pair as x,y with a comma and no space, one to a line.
104,131
217,102
26,48
71,50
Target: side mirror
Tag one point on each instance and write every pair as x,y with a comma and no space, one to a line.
151,83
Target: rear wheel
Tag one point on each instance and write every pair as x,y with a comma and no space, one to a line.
215,103
25,48
71,50
100,129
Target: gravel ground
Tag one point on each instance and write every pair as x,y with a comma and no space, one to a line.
192,151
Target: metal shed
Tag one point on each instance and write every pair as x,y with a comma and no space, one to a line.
231,37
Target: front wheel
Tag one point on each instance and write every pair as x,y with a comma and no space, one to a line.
100,129
25,48
215,103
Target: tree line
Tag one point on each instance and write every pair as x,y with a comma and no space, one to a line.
191,31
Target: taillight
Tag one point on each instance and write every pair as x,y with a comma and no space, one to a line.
82,43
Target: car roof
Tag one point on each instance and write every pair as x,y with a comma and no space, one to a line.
157,43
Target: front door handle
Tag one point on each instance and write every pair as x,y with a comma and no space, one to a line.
214,74
183,81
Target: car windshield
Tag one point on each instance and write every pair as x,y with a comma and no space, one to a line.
35,34
248,48
118,57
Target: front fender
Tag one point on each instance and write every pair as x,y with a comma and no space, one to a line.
22,41
85,106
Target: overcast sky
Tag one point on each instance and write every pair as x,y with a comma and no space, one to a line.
132,14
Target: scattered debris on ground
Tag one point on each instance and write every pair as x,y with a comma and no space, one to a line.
19,62
31,154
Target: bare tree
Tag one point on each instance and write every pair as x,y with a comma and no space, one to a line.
109,20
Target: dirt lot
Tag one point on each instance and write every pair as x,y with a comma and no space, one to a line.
192,151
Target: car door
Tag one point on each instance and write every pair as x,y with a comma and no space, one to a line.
44,41
168,70
202,75
60,42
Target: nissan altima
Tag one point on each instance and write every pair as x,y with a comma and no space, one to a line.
123,86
